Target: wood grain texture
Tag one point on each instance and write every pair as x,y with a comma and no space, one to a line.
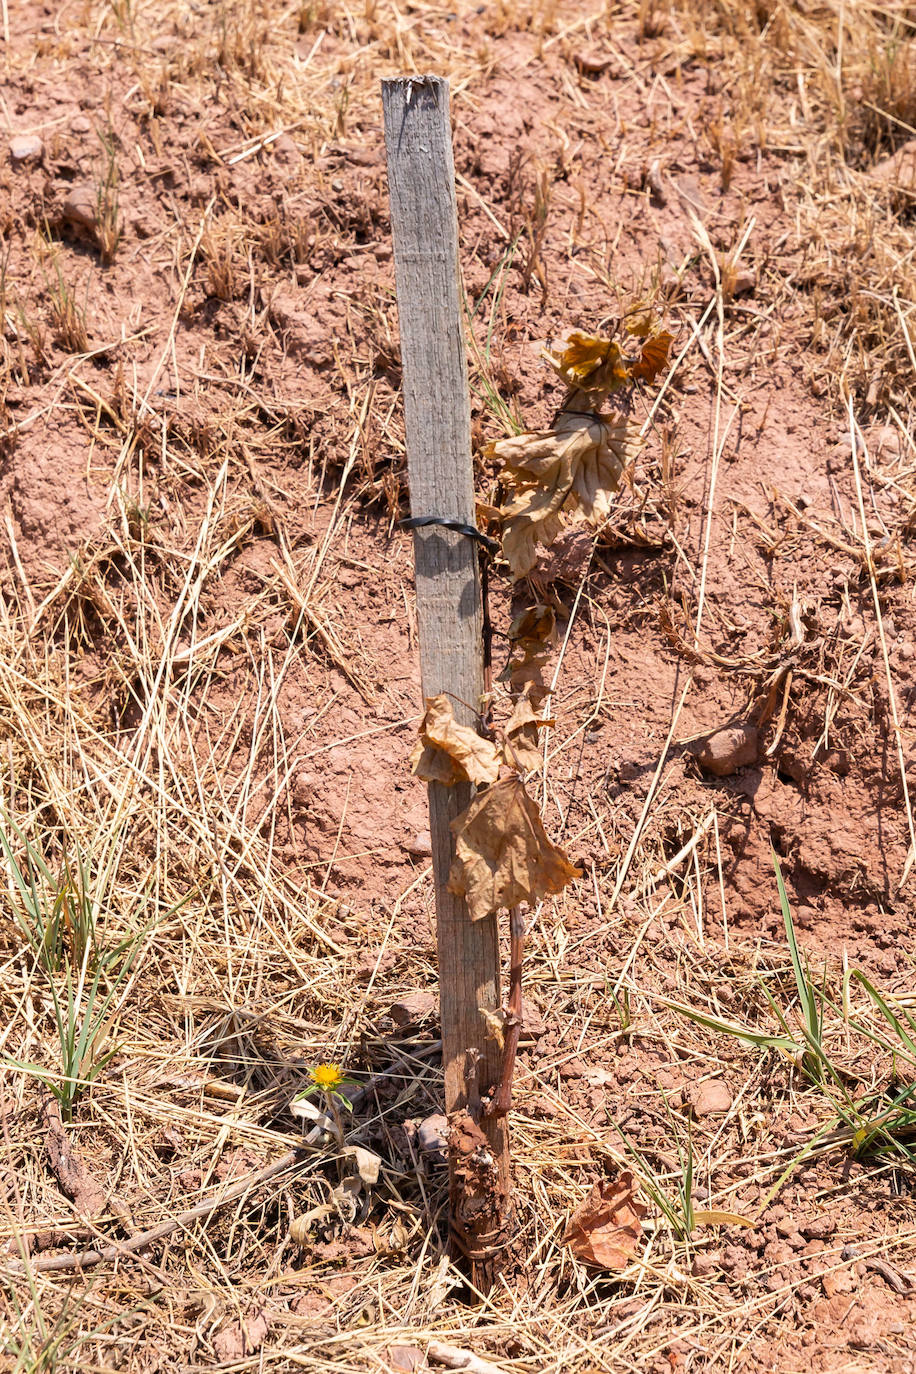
424,225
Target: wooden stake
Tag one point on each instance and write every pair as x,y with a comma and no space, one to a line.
424,226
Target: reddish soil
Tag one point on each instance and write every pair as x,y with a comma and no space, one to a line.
249,386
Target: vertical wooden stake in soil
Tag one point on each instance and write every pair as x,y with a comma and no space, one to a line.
424,225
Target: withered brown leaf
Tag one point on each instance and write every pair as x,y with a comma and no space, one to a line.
503,855
653,357
577,463
521,748
605,1229
531,635
447,752
589,364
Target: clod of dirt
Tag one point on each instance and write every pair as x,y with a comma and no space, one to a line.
900,170
412,1009
725,751
26,148
712,1098
592,63
81,207
706,1264
239,1339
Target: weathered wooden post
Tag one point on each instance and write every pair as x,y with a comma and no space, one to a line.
424,225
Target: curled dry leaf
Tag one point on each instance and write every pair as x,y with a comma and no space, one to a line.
448,753
605,1229
653,357
503,855
589,364
531,635
521,748
578,463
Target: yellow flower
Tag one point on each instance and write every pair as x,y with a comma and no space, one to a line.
327,1076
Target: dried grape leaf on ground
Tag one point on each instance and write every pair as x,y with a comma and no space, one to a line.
605,1229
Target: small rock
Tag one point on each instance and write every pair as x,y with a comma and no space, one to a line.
725,751
898,171
712,1098
81,207
80,125
406,1359
592,63
533,1025
745,282
412,1009
421,846
884,439
705,1264
26,148
432,1136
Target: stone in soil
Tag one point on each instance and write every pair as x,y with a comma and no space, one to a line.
26,148
712,1098
412,1009
725,751
81,207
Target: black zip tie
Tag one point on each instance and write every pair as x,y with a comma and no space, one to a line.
417,522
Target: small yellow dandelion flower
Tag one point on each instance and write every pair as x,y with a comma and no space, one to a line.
327,1076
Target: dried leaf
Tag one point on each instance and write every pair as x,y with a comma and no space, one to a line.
653,357
521,734
577,463
589,364
531,635
529,521
448,753
503,855
538,623
496,1025
605,1229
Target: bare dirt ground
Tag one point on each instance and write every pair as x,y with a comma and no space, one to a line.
209,682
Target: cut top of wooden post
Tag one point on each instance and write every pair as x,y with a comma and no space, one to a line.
421,177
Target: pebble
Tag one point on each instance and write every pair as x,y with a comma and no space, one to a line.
725,751
712,1098
412,1009
26,148
81,207
80,125
405,1359
432,1135
591,63
745,282
421,846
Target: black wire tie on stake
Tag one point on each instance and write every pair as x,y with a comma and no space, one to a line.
418,522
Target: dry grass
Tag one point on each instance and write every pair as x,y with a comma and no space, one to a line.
171,922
